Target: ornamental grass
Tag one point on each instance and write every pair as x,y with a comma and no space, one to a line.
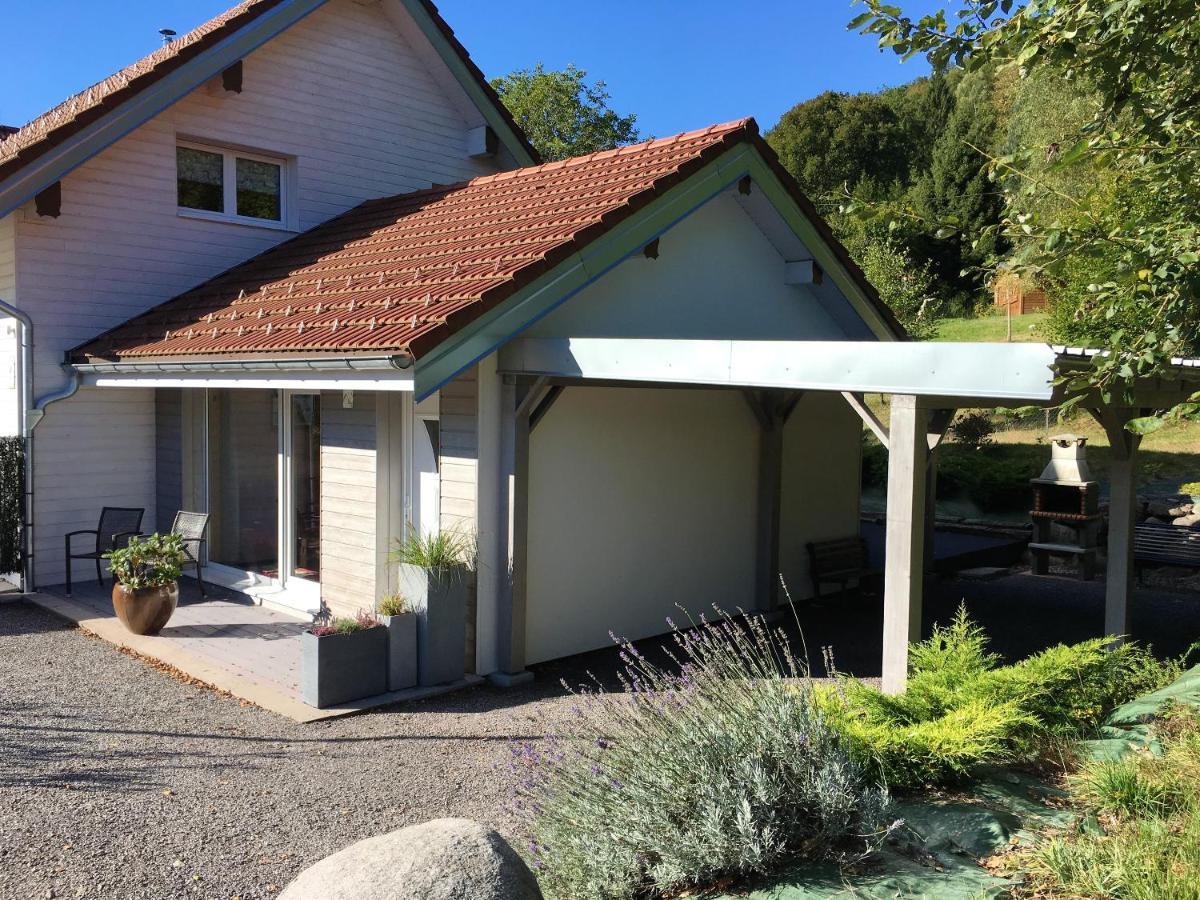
719,767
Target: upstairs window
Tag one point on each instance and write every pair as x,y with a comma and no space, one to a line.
230,185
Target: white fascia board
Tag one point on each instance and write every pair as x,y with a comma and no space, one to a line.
141,108
1020,372
339,381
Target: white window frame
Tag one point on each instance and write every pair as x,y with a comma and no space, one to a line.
230,156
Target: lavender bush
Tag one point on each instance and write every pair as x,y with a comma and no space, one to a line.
720,766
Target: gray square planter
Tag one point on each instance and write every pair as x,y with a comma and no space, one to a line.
402,650
440,602
339,668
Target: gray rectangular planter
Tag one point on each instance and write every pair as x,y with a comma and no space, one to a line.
402,650
440,601
339,668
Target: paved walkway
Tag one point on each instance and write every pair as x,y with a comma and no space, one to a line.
121,782
225,640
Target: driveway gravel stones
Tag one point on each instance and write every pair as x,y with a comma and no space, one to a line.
117,781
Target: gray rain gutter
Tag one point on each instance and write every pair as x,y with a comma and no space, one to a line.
392,362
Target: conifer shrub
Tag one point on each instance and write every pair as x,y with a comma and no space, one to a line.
962,709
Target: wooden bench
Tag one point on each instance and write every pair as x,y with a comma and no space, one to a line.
839,562
1165,545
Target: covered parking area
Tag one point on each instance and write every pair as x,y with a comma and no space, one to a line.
927,383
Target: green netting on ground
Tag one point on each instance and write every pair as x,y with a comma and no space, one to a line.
935,853
1127,727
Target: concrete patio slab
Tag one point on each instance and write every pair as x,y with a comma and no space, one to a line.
226,641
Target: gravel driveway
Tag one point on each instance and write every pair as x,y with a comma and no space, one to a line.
117,781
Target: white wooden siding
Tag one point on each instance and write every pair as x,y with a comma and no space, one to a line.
342,94
348,482
459,458
458,466
10,393
95,449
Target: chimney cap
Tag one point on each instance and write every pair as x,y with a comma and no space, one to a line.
167,35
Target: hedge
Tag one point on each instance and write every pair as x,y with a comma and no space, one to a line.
12,502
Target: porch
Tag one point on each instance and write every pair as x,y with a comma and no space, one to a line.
226,641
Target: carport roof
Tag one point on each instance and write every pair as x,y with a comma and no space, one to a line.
401,274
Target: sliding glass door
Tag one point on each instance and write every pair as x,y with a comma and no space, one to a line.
243,480
302,501
264,492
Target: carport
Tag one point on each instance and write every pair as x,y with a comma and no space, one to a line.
926,383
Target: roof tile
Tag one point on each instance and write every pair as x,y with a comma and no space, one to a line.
397,274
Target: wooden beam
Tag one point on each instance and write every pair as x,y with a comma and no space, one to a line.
859,405
515,402
548,399
935,431
1122,516
231,78
904,566
49,202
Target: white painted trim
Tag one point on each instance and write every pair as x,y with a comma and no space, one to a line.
1003,371
332,381
288,220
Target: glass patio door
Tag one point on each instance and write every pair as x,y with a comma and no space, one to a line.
243,482
264,493
300,520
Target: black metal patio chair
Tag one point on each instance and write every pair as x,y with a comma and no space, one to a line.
191,527
117,525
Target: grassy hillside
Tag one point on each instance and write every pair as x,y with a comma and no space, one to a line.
992,328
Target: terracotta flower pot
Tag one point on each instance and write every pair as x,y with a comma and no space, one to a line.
145,610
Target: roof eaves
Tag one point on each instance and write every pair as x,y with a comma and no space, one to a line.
826,233
20,179
479,81
68,143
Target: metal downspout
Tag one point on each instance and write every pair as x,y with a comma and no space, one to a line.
31,412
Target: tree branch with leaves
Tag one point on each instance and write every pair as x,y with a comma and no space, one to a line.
1140,61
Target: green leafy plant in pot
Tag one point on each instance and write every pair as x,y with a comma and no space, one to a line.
434,574
146,581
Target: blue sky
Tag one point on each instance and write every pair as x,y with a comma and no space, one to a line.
678,64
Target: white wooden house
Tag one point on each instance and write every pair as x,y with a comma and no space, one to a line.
300,270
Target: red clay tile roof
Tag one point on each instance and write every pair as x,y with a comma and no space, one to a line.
76,113
400,274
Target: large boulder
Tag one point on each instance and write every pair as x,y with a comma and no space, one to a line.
446,859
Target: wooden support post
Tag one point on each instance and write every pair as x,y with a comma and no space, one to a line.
939,421
931,475
772,411
1122,515
518,400
904,580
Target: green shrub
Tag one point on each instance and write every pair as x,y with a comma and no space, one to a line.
961,709
993,476
148,562
12,502
909,754
973,429
722,767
